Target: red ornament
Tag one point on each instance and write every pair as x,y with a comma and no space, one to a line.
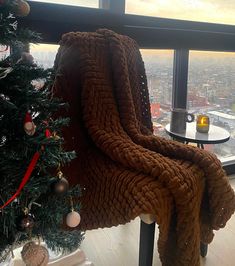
29,125
48,133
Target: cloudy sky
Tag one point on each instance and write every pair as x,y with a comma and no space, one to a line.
219,11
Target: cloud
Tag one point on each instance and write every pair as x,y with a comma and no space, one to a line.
217,11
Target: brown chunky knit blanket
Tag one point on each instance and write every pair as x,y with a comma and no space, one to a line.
126,170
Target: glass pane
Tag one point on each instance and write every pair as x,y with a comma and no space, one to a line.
211,90
85,3
44,54
216,11
159,71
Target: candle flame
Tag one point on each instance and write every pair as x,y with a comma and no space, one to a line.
203,120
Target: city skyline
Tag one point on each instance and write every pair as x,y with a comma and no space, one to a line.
147,52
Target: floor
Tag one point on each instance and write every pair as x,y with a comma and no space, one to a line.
118,246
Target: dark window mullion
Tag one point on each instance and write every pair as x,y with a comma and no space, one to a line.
113,5
180,78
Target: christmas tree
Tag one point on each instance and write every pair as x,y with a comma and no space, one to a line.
35,198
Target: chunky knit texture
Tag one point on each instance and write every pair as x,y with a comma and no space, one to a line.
124,169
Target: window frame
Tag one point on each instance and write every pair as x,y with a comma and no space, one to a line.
149,32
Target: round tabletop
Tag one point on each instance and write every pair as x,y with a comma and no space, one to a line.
214,136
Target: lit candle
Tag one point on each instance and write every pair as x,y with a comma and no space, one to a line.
203,123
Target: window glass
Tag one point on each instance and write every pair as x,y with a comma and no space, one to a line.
211,90
159,71
215,11
44,54
85,3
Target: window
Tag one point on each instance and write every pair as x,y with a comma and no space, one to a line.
215,11
44,54
211,90
159,71
85,3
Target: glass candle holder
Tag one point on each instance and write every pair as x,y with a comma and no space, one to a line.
203,123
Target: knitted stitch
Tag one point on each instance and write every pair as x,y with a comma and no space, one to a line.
126,170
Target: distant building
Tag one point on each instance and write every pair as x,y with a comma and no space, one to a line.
155,110
197,101
222,119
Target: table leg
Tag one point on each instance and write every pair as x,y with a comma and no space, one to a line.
203,247
200,145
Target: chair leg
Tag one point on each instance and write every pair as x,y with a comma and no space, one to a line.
203,249
146,244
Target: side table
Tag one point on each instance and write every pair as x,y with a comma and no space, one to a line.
215,135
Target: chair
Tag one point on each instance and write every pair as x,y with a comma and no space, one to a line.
125,170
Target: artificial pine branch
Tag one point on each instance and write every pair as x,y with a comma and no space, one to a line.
19,95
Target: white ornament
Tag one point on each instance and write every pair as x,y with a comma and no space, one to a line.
73,219
35,255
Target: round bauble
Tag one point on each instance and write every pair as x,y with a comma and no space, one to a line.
60,186
73,219
21,8
25,222
27,58
48,133
35,255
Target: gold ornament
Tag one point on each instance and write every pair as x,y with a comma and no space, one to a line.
35,255
21,8
55,136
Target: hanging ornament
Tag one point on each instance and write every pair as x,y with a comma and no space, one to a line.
35,255
29,125
21,8
25,222
47,133
26,58
61,185
73,218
